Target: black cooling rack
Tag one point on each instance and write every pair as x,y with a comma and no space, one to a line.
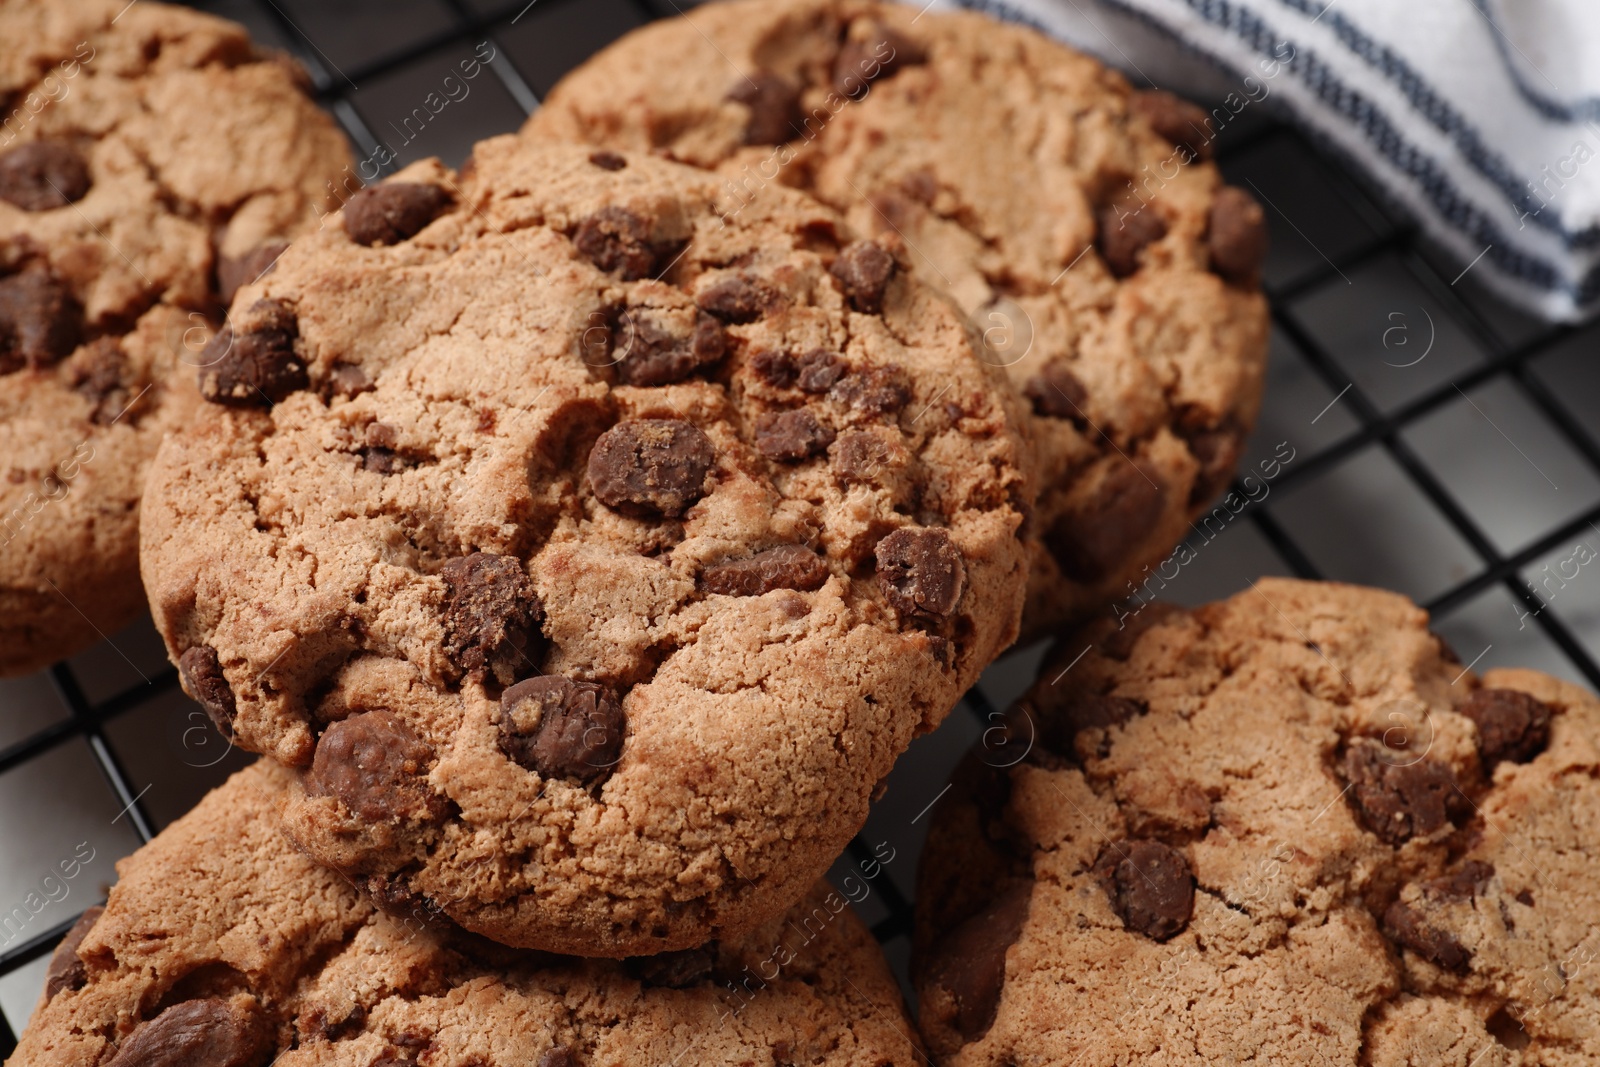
1440,441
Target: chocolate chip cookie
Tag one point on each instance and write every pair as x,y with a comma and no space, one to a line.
584,542
150,158
1079,226
1286,828
222,946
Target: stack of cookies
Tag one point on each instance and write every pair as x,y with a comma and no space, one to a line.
581,535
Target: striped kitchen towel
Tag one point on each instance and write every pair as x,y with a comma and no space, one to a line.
1479,117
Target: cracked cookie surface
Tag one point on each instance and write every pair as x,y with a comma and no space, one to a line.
143,160
222,945
1079,226
1289,827
580,663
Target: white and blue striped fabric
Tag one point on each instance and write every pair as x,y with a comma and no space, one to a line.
1479,117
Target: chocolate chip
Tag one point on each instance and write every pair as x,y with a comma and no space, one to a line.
737,298
873,391
393,212
791,435
1125,231
774,103
818,371
99,377
784,567
43,175
873,51
969,963
1407,926
662,347
616,239
197,1033
651,467
560,728
1465,882
257,365
236,272
1186,125
1150,887
560,1056
1401,801
1057,393
861,458
348,381
674,970
607,160
1511,725
1217,451
203,679
67,971
777,369
39,319
376,765
921,571
864,269
1238,235
491,615
1093,539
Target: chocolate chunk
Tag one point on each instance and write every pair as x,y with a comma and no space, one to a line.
393,212
615,239
1057,393
197,1033
1238,236
774,103
40,320
1406,926
649,467
1186,125
491,615
1093,539
777,369
236,272
348,381
872,52
67,971
1401,801
1150,886
255,366
1125,231
658,347
1511,725
784,567
861,458
1465,882
1217,451
378,767
864,269
98,377
873,391
203,679
560,1056
560,728
791,435
43,175
818,371
674,970
969,963
606,160
737,298
921,571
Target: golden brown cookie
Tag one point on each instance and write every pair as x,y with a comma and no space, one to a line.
1079,226
148,162
221,946
592,544
1286,828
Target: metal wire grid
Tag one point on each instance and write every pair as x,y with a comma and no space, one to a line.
1507,360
